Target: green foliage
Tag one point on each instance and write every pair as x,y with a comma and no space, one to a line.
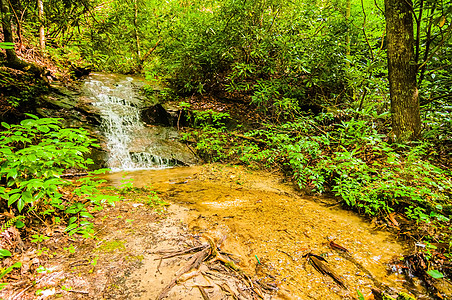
5,271
33,155
350,159
360,295
4,253
13,221
270,50
435,274
154,201
211,136
20,88
6,45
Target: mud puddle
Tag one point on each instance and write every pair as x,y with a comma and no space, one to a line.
270,229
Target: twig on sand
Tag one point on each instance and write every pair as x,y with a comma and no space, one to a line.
79,292
183,252
204,294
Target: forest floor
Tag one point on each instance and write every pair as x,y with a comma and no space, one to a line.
265,232
126,259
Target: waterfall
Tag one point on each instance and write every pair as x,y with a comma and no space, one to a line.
128,139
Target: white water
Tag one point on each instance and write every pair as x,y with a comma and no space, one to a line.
128,138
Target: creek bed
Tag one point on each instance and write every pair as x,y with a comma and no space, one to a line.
271,229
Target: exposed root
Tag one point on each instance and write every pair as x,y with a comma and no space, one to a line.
225,276
194,262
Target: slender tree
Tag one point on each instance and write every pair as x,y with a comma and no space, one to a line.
402,69
42,38
135,25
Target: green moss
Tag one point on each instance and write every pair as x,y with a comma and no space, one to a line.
112,246
133,258
405,296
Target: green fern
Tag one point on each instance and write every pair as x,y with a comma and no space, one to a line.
11,222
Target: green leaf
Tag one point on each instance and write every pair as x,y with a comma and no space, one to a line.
27,197
85,214
20,204
6,125
435,274
360,295
43,128
4,253
70,227
19,224
12,173
6,45
13,198
16,265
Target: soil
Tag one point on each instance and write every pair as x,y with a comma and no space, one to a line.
270,231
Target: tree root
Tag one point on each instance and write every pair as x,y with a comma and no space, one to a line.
194,262
229,279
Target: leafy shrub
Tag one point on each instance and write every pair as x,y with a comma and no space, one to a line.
210,136
350,159
33,155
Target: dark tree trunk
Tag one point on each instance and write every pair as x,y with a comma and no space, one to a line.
11,56
406,122
12,60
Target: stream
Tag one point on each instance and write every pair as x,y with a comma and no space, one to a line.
270,227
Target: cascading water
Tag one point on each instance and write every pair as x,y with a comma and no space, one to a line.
128,139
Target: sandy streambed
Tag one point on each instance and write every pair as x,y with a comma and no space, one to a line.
270,229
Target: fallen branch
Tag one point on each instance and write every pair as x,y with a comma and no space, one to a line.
79,292
70,175
204,294
228,271
317,263
249,138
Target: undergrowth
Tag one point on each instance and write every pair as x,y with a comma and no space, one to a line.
33,156
35,196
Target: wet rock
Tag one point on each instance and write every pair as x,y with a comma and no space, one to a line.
163,142
99,157
78,72
156,114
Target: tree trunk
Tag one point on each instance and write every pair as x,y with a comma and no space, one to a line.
42,37
406,122
11,57
135,24
348,10
12,60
